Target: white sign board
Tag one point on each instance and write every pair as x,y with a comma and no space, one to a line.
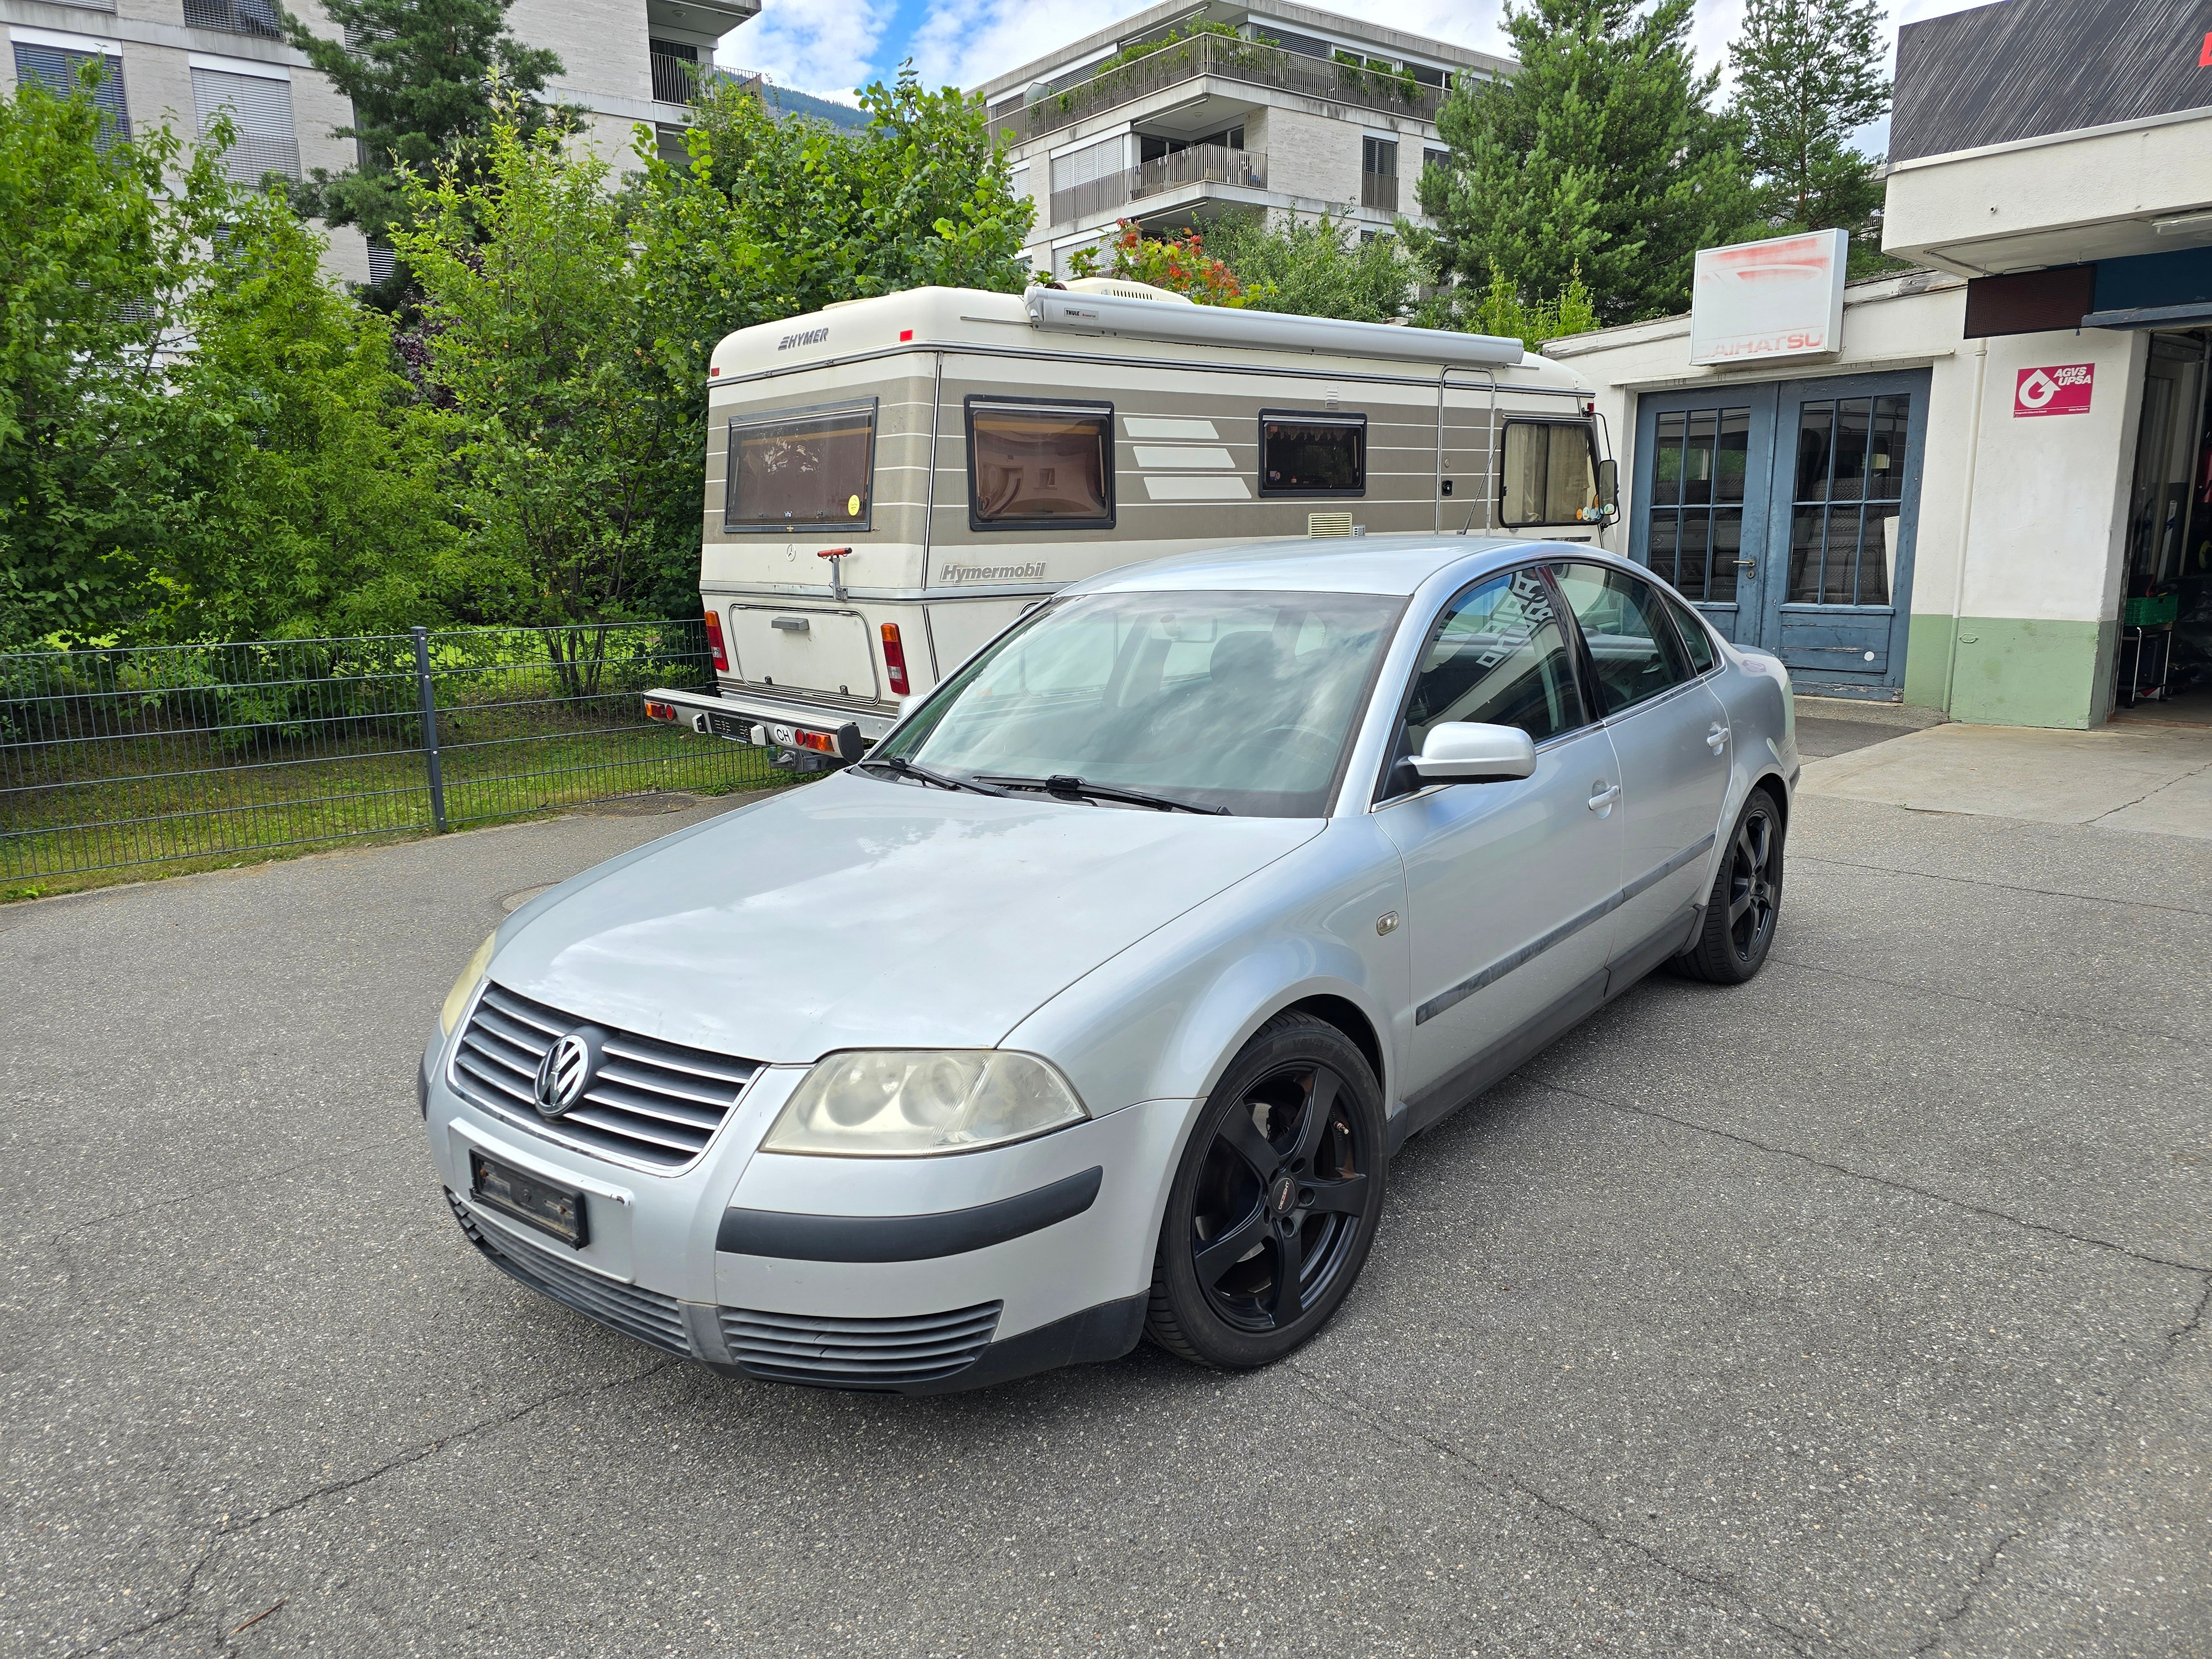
1783,297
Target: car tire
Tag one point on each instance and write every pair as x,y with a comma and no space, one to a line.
1746,902
1283,1168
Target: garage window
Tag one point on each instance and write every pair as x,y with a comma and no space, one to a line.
802,469
1303,454
1038,466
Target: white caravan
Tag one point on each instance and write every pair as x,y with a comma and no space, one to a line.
891,481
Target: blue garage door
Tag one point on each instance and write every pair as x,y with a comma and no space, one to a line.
1786,514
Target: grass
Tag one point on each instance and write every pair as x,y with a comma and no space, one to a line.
159,817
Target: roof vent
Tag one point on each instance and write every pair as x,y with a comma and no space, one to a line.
1116,288
1328,524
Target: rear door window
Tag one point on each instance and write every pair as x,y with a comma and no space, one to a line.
1039,465
802,469
1623,622
1695,640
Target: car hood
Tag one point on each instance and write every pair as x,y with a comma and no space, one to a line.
860,912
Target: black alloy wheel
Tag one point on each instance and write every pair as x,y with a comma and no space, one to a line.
1275,1203
1745,901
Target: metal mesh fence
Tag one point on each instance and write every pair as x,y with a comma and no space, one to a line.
153,754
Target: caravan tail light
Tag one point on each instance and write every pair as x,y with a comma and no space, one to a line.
714,643
894,658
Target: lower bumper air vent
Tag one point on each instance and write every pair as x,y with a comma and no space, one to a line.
646,1315
858,1353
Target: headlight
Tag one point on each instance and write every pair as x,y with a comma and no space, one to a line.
916,1103
457,999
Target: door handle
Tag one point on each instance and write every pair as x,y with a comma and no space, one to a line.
1602,803
1749,567
1716,739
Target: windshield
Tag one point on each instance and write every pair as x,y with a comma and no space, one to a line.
1241,701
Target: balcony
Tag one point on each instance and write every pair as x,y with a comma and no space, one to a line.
1379,191
1247,62
232,16
1202,164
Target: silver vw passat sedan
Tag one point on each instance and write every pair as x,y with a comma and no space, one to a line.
1094,1001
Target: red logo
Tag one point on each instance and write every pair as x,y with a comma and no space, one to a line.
2062,389
2204,58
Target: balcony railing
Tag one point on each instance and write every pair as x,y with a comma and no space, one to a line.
1202,164
675,80
1229,59
1379,191
234,16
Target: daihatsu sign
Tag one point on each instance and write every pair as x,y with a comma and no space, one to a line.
1780,298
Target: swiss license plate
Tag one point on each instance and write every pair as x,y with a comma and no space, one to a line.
550,1209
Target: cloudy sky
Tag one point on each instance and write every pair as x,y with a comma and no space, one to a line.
830,46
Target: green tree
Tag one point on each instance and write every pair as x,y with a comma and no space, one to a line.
200,437
1318,267
98,252
309,471
532,305
1600,153
1502,310
422,75
1809,74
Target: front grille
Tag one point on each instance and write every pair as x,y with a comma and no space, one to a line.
858,1353
651,1102
646,1315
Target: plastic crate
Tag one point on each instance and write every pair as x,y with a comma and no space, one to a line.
2149,613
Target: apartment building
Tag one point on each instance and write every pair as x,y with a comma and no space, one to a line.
179,62
1289,108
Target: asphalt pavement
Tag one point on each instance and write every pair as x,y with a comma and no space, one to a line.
1859,1311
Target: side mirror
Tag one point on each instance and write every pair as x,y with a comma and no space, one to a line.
1608,485
1461,751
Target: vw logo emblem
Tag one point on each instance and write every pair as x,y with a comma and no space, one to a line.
566,1072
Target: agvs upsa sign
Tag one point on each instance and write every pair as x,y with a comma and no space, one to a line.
2060,389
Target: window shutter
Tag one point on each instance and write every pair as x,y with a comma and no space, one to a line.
261,110
55,67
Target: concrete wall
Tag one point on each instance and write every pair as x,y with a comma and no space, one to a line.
2020,538
1312,155
2036,594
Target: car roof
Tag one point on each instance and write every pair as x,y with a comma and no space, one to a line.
1397,564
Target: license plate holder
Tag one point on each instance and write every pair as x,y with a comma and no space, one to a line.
544,1205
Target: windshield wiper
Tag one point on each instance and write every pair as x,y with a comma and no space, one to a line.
899,767
1077,789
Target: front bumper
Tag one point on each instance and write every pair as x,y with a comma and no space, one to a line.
916,1276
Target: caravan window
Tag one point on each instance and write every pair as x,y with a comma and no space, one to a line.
802,468
1039,465
1549,475
1312,454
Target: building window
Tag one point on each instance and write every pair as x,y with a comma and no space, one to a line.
1434,158
382,263
1303,455
1378,174
1039,465
1698,460
1851,483
235,17
260,112
802,469
55,66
